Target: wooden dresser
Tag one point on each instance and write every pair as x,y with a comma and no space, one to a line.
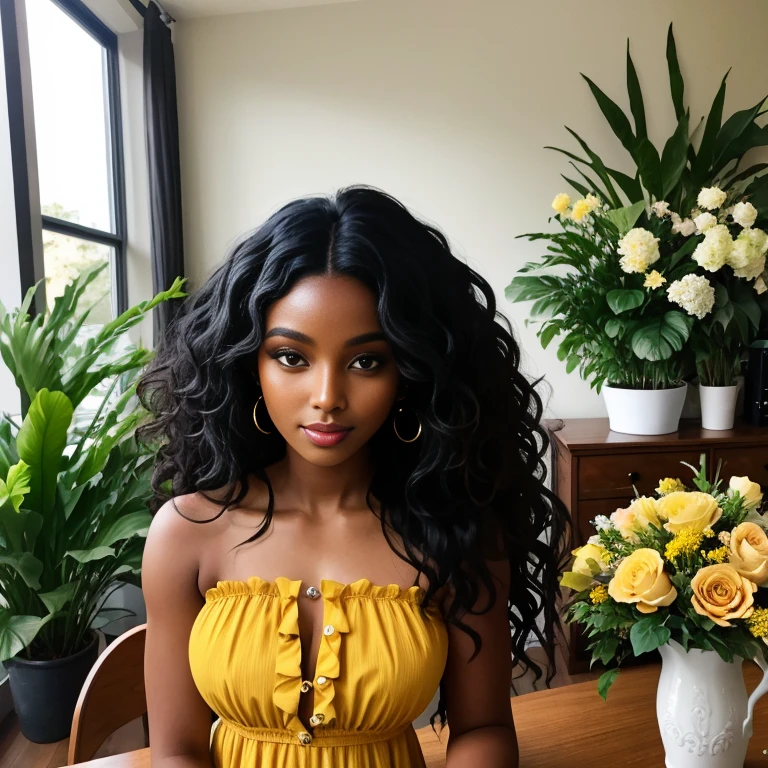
594,469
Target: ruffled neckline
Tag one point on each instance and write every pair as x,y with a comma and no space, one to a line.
255,585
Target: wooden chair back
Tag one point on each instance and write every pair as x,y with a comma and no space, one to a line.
113,694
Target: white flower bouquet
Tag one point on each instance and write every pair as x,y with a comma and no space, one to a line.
661,275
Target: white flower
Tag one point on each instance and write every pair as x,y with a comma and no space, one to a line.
602,523
682,227
711,198
639,249
594,540
748,253
704,221
715,249
744,214
694,294
592,202
760,285
661,208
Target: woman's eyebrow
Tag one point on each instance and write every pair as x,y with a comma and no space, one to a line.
289,333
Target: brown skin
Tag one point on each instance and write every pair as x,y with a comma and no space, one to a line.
322,529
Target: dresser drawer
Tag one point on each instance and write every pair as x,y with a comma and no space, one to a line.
751,461
604,477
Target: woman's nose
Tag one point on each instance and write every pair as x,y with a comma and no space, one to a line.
328,389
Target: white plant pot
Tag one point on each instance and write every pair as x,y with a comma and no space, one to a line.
718,406
705,717
644,411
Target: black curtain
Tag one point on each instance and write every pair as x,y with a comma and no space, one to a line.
162,136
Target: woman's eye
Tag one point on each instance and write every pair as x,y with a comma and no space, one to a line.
292,359
367,363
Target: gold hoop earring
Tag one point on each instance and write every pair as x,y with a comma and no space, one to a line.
394,424
256,420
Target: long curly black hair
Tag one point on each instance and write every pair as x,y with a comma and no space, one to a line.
477,472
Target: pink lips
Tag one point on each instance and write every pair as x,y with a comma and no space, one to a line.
326,438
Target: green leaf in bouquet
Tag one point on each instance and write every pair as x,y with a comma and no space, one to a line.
528,287
593,185
580,188
684,250
706,153
727,146
676,84
576,581
675,156
41,442
615,117
598,167
624,299
659,337
746,174
648,634
626,218
649,166
631,187
605,681
635,98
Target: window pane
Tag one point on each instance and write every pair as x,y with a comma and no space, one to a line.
71,117
65,258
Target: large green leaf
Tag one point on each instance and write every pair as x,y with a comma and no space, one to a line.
626,218
676,84
18,632
26,565
41,442
623,299
635,98
649,166
123,528
57,598
86,555
17,485
528,287
707,147
733,128
615,117
675,156
658,338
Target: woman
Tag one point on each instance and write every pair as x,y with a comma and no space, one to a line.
357,512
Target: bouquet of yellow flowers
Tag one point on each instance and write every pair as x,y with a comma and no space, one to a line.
682,564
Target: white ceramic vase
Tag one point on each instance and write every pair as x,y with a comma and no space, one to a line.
705,717
718,406
644,411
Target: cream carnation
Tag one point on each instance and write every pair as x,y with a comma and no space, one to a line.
748,259
639,249
661,208
694,294
592,202
713,251
744,214
711,198
580,209
704,221
682,227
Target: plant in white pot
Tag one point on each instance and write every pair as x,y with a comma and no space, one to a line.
628,282
73,499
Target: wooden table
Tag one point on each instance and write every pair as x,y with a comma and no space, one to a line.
572,725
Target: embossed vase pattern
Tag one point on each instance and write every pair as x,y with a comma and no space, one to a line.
705,716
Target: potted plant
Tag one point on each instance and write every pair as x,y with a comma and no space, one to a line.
685,571
659,275
73,499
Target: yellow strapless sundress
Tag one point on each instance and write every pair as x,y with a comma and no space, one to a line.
379,664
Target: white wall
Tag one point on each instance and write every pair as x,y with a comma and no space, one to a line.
446,104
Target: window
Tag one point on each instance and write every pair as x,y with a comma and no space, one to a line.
74,73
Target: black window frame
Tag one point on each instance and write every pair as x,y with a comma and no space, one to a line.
117,240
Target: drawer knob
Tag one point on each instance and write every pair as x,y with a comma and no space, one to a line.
634,476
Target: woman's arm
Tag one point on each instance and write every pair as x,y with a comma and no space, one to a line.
179,718
482,731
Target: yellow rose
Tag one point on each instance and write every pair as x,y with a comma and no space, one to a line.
749,552
561,203
720,593
587,552
580,209
636,517
641,579
751,495
688,509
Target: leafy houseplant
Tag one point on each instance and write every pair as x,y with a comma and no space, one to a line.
661,275
684,571
73,513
